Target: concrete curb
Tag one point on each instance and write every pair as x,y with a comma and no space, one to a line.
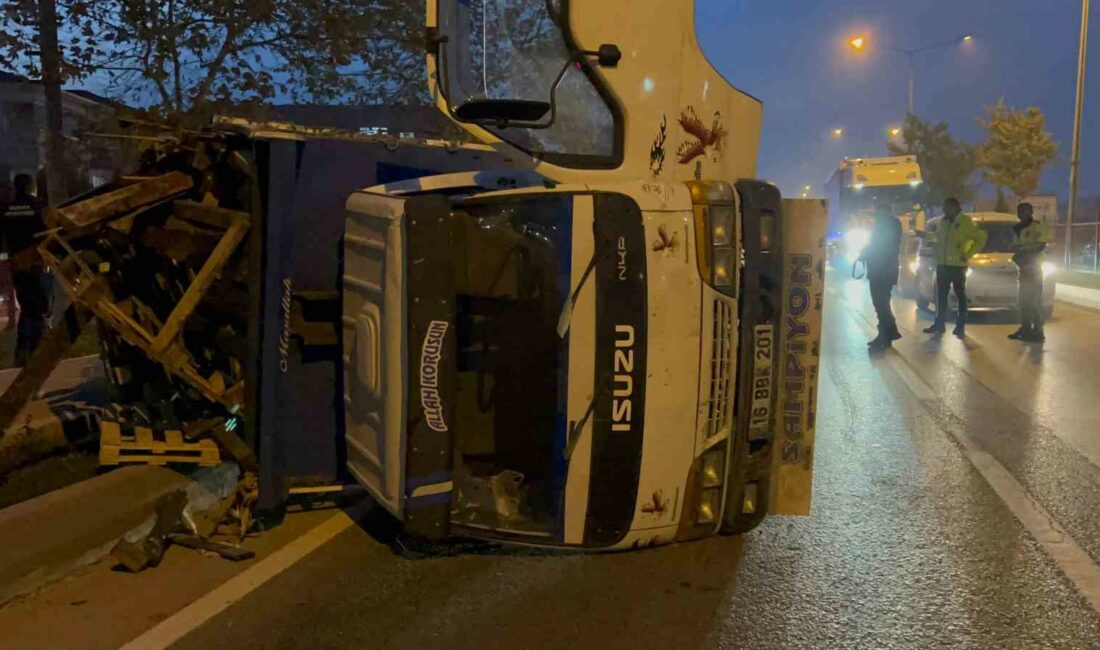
45,538
1082,296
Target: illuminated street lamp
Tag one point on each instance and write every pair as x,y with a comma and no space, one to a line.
858,42
838,133
894,131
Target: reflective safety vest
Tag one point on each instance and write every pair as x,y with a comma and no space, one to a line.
1035,232
955,242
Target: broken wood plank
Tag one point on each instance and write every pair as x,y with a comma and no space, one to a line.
51,349
117,203
210,215
200,284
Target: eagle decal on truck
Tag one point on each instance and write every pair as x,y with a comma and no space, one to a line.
703,140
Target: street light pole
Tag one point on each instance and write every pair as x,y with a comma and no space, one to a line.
1075,156
911,55
912,77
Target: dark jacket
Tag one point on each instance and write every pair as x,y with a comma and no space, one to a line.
20,220
883,250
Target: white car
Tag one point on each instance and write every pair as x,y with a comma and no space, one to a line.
991,280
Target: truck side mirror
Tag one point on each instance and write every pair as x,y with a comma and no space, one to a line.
607,56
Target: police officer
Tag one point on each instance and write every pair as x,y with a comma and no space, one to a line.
1031,240
956,240
20,220
881,257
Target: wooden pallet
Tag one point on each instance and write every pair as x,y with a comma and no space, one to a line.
144,447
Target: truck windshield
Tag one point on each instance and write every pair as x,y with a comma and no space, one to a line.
514,50
866,200
512,264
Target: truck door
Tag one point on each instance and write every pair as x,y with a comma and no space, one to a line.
398,350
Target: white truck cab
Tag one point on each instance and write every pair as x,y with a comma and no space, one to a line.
612,348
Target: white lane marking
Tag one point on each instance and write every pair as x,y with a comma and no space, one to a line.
181,623
919,387
1074,562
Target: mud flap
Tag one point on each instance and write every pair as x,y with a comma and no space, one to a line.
799,353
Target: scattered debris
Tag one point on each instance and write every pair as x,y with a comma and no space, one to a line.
227,551
147,551
216,504
156,258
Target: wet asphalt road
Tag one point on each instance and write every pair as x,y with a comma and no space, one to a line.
907,547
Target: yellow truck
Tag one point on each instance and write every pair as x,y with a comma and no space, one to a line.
619,349
860,187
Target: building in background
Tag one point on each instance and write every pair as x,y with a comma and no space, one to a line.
23,127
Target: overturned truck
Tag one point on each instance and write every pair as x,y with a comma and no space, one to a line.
594,329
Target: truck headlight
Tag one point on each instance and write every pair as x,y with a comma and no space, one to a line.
855,240
712,471
721,225
914,266
716,240
767,230
710,504
722,265
1049,268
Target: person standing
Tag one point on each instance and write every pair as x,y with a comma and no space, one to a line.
20,221
881,257
956,240
1032,238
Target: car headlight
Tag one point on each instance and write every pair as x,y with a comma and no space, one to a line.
969,272
914,266
1049,268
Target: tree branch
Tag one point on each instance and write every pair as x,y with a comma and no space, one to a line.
199,96
174,51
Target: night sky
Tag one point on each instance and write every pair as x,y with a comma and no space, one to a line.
794,55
